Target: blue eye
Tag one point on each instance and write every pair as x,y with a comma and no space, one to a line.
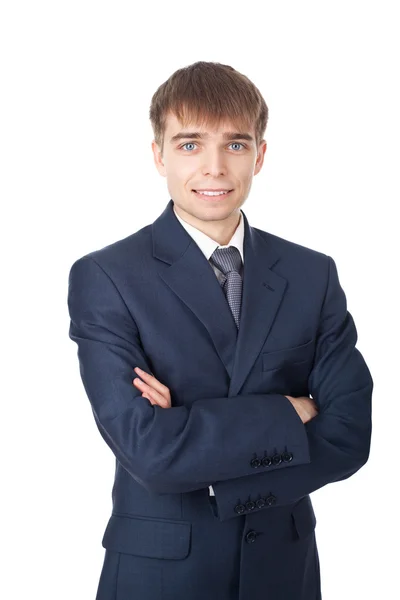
237,144
192,144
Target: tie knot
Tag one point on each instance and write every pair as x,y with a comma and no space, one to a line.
227,259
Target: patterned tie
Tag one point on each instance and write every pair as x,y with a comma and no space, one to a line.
229,261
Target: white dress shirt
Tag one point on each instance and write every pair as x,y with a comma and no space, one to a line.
207,245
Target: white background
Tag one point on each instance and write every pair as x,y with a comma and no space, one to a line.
77,173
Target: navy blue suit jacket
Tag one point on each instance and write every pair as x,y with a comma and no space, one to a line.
152,300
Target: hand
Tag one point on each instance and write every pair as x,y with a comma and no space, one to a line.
152,389
305,407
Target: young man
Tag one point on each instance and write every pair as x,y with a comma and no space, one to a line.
221,366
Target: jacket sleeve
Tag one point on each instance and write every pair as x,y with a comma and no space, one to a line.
339,435
167,450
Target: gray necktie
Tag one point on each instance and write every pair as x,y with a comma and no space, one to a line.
229,261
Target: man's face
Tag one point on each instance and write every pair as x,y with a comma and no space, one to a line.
217,160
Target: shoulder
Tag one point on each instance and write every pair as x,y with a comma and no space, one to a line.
123,253
292,251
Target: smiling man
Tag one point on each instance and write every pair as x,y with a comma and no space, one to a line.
221,365
209,173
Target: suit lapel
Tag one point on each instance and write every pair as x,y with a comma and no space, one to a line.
190,276
262,294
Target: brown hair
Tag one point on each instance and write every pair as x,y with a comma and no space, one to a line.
207,93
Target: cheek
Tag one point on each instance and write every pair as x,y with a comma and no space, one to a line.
183,174
242,171
245,178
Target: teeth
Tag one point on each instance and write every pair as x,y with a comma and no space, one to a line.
212,193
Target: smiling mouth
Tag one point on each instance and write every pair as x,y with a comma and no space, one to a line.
211,195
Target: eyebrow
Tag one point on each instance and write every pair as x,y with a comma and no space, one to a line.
195,135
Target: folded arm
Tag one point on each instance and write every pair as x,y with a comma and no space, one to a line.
173,450
339,436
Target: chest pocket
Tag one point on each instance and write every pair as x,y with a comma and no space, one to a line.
289,357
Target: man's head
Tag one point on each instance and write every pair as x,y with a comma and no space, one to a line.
210,102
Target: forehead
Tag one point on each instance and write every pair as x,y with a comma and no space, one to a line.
173,126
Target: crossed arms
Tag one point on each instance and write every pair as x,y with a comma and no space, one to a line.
177,450
158,393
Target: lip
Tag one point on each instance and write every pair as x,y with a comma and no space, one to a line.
213,190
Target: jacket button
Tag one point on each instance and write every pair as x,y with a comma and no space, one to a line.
260,503
250,505
266,461
251,536
270,500
287,456
240,508
255,463
276,459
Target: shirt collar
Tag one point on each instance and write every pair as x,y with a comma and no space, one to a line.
207,245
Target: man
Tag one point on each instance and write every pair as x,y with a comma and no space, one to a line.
221,367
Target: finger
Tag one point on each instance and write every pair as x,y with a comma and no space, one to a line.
150,399
151,380
143,387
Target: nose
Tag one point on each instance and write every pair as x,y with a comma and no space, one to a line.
214,164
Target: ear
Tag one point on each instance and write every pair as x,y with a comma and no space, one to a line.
158,159
260,156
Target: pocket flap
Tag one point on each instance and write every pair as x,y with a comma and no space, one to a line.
295,355
155,538
304,517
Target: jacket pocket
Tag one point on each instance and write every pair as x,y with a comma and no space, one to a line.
154,538
288,356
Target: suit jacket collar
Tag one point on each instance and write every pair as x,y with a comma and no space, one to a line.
187,272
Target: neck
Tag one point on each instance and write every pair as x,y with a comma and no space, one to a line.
219,231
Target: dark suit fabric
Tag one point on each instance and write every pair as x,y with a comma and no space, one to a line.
152,300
